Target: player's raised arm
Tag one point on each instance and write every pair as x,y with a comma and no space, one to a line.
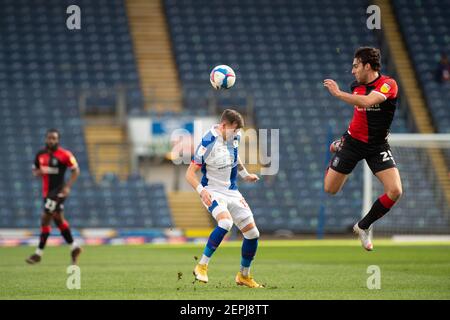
366,68
362,101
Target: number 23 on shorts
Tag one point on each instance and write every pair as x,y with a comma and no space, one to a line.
50,205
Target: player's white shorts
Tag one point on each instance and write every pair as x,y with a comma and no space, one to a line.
233,202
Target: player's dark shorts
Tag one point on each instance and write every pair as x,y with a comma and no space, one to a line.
53,204
378,156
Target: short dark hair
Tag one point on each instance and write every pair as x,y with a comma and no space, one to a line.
53,130
369,55
232,116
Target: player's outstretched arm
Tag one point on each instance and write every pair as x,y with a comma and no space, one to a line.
191,177
362,101
250,177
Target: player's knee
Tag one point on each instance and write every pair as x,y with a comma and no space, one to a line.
62,225
330,189
395,193
253,233
225,224
58,221
45,220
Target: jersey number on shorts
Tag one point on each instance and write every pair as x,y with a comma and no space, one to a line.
387,156
244,203
50,205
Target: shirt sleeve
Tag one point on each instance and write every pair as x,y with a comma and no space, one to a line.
70,161
388,88
203,149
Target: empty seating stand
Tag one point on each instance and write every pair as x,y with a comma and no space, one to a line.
281,52
426,28
43,68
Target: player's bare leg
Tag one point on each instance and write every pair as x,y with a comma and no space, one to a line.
45,232
392,183
224,224
63,226
249,247
334,181
390,178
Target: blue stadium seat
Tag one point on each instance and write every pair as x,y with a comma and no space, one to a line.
426,28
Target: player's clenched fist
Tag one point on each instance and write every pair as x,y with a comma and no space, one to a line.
251,178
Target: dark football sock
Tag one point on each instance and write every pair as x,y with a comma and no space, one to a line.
45,232
65,232
380,207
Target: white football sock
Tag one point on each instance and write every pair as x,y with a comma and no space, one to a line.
39,252
245,271
204,259
74,245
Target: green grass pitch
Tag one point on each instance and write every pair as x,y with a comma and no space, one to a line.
309,269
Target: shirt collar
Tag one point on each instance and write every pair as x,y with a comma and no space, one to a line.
372,82
218,135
